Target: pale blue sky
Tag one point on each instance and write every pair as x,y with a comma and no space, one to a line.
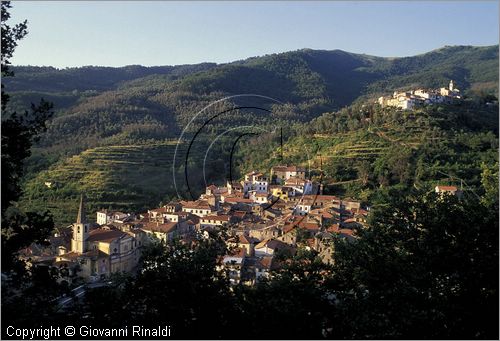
167,33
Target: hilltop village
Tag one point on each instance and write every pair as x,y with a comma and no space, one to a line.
415,98
264,215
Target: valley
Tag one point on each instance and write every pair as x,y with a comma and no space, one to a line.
114,129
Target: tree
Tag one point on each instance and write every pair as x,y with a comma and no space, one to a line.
489,181
178,285
292,304
427,267
27,292
18,134
10,36
364,171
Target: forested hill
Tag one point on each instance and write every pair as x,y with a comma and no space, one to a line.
336,75
109,119
89,78
94,104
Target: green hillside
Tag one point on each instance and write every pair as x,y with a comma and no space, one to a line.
314,81
128,177
364,150
90,78
99,110
94,104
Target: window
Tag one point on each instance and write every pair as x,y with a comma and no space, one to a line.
85,229
78,229
115,250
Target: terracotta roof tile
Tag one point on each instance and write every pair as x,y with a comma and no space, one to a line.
265,262
216,217
447,188
104,235
163,228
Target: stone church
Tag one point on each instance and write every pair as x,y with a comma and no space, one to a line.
96,253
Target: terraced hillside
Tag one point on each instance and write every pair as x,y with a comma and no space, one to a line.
94,105
122,177
324,151
363,149
106,137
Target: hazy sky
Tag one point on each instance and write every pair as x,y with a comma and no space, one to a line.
166,33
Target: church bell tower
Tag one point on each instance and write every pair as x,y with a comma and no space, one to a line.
80,230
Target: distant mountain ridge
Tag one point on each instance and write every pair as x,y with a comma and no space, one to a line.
312,81
99,78
468,64
102,110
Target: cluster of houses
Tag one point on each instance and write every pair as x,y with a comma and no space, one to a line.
415,98
265,216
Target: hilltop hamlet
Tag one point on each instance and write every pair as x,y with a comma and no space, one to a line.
265,217
416,98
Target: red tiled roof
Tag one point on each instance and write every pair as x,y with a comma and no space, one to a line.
321,212
239,214
333,228
180,213
446,188
310,242
294,181
319,198
104,235
238,200
288,228
347,231
216,217
265,262
279,168
199,204
163,228
271,244
309,226
247,239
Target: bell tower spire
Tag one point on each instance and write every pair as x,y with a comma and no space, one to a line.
80,230
81,218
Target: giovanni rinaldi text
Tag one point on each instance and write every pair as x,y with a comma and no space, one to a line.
86,331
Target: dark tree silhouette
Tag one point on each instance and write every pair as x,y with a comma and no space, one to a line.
427,267
19,131
27,293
